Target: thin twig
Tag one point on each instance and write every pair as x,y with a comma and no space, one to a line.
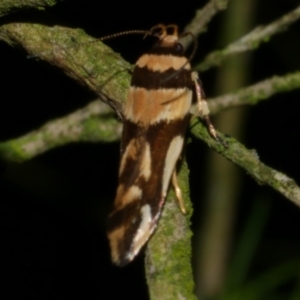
250,41
203,16
91,124
249,160
253,94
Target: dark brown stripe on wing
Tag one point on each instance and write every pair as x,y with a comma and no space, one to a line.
170,79
123,217
176,50
159,137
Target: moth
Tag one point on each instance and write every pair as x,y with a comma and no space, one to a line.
156,117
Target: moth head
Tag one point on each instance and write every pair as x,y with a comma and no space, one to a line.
167,35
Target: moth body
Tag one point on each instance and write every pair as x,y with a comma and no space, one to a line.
156,117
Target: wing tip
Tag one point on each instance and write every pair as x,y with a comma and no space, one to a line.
121,261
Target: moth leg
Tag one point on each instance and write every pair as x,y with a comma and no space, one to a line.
202,108
178,192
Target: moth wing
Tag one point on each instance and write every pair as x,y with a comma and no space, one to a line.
156,117
147,163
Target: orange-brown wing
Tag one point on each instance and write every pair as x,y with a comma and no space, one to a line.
156,117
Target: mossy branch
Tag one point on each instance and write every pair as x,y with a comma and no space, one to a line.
250,41
255,93
168,256
92,123
203,16
249,160
10,6
87,60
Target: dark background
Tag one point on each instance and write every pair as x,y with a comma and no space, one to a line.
53,208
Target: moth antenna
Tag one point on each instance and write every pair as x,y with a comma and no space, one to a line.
128,32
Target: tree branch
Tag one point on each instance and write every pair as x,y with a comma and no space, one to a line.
255,93
249,160
82,125
203,16
169,250
250,41
9,6
81,57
